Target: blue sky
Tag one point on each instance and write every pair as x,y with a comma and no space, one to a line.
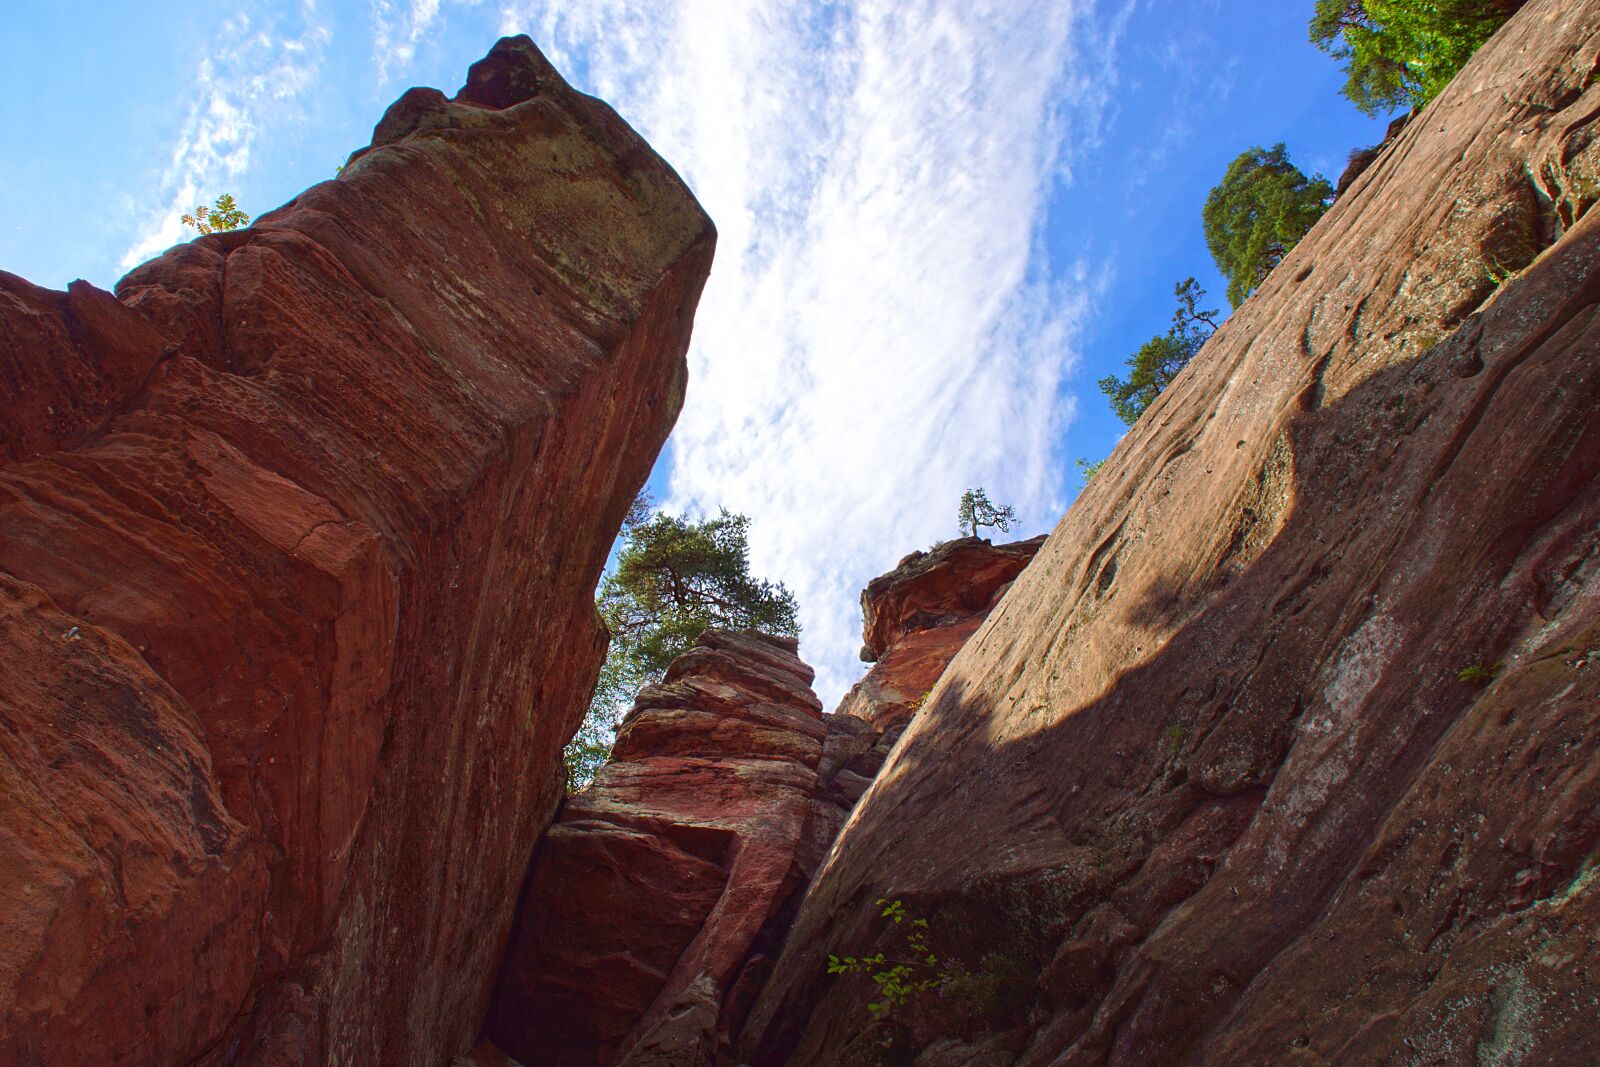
942,221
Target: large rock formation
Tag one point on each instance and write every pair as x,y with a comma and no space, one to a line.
298,538
1283,749
659,899
916,618
659,889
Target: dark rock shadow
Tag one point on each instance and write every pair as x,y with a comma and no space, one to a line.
1150,858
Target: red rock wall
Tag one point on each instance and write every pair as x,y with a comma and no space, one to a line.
298,539
916,618
654,900
656,904
1206,787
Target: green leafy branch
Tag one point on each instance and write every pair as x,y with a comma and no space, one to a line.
900,978
220,217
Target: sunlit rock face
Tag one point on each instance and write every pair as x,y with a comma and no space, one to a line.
656,900
299,533
1283,748
916,618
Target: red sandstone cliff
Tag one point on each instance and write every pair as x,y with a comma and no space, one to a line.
916,618
658,900
298,539
653,900
1209,776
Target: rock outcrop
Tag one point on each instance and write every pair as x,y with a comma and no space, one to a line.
1283,749
659,899
916,618
298,539
655,900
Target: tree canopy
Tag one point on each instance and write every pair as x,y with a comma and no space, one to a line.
673,579
1158,361
1262,208
1402,53
975,512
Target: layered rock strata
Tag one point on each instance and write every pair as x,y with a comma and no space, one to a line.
916,618
657,902
655,899
298,538
1283,749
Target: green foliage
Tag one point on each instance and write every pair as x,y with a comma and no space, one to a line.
1087,470
1152,368
589,748
919,991
1479,673
673,580
914,969
1262,208
1402,53
676,578
976,512
220,217
1498,274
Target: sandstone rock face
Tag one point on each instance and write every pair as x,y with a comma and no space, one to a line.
298,538
1211,777
658,901
916,618
654,901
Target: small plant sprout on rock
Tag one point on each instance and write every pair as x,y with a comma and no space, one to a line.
898,979
220,217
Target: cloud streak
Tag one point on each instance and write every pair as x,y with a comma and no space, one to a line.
884,326
252,78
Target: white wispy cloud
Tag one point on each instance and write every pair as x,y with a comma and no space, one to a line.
400,26
251,77
396,29
883,327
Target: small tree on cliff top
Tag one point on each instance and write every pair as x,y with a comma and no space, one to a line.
220,217
673,580
976,512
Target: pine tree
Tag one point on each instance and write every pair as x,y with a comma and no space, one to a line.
1402,53
976,512
1260,211
1158,361
673,580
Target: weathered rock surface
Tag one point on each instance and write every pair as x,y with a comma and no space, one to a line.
1208,775
298,538
659,899
655,899
916,618
1362,158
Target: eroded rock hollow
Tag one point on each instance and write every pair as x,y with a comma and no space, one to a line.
299,533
